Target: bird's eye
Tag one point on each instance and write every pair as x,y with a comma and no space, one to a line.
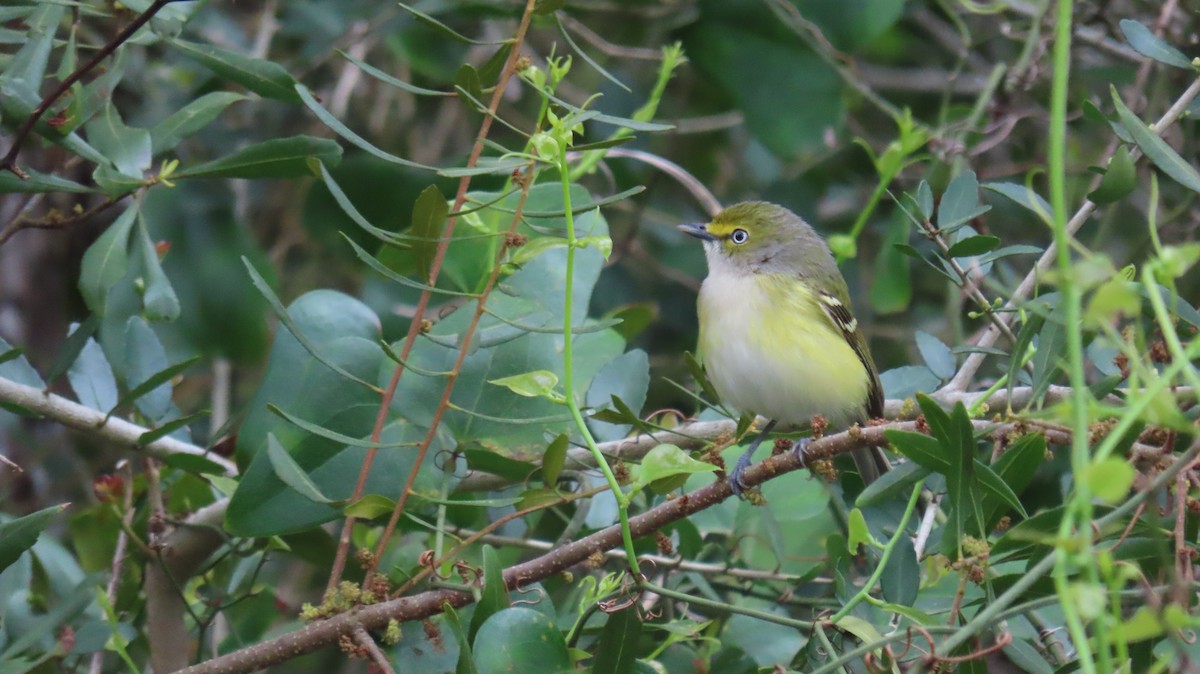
739,236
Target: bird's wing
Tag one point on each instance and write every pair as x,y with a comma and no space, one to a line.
838,313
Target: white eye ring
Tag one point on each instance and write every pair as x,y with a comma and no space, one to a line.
739,236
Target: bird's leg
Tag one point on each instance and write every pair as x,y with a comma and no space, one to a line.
798,448
743,462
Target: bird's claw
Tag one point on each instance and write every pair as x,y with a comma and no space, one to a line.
798,449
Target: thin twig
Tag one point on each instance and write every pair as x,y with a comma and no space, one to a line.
125,470
364,641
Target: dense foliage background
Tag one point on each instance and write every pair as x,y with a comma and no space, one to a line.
320,312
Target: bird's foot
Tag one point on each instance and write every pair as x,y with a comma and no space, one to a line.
798,449
736,485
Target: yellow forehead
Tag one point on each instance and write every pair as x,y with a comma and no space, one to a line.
723,228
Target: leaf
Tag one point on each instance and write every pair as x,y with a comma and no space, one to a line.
106,262
1157,149
520,640
960,202
1119,180
1110,479
973,245
428,216
92,379
858,534
891,291
39,182
344,131
158,297
1024,196
370,507
901,577
536,384
1146,43
1009,251
623,381
616,651
494,596
292,157
554,459
169,428
937,355
907,380
265,78
127,148
588,59
443,28
925,200
339,438
18,535
665,462
190,119
288,471
896,482
995,486
388,79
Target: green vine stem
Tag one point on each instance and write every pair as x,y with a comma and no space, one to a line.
865,590
569,372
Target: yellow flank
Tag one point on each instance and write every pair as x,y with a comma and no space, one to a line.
769,348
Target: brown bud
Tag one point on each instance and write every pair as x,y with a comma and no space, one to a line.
108,488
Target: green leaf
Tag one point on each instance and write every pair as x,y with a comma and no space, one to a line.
520,640
158,297
1146,43
189,119
857,531
617,649
265,78
892,484
153,406
925,200
169,428
891,291
344,131
292,157
92,379
664,462
1024,196
1119,180
974,245
127,148
960,202
995,486
388,79
901,577
623,381
583,55
937,355
1157,149
370,507
554,459
467,79
443,28
18,535
339,438
539,383
428,216
1110,479
39,182
106,262
291,474
494,597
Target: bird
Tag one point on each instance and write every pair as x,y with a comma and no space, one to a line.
778,337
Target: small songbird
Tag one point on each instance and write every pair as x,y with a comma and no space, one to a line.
777,335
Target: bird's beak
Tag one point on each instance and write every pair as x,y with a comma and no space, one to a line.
697,231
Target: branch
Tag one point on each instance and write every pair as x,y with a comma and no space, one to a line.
97,424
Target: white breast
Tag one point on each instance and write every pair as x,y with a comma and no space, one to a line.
777,356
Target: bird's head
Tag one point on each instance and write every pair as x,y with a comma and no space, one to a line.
756,236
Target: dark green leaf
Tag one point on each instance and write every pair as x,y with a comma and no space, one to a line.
428,216
1146,43
494,597
370,507
1007,251
625,378
617,649
277,158
554,459
902,576
265,78
18,535
552,6
69,353
960,203
1017,467
466,664
339,438
106,261
998,488
892,289
973,245
1157,149
39,182
189,119
701,378
291,474
1119,180
263,287
194,464
91,377
919,448
496,464
520,640
925,200
896,482
160,378
127,148
467,79
906,380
